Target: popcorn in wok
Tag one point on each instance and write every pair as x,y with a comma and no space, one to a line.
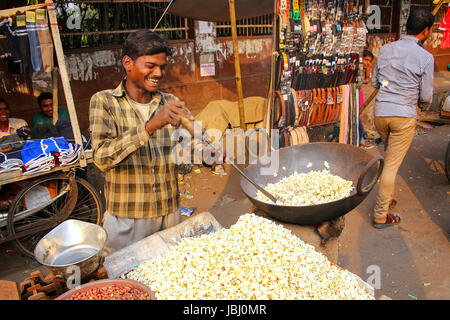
306,189
254,259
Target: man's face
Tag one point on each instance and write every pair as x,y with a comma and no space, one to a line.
4,112
47,107
146,71
367,62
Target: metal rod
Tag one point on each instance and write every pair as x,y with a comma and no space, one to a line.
65,78
168,6
257,186
369,100
114,31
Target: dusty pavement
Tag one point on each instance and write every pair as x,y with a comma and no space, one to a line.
413,259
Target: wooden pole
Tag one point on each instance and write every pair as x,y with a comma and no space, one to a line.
10,12
438,6
367,4
273,59
369,100
55,94
237,66
65,79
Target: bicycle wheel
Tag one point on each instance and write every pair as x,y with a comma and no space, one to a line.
40,207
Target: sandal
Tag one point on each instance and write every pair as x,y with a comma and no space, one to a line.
391,219
392,204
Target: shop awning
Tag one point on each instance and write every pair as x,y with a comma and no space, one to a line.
218,10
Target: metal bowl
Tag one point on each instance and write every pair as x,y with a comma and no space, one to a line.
106,283
347,161
71,243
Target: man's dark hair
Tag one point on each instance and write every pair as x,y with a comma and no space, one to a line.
367,53
144,42
44,96
418,20
4,101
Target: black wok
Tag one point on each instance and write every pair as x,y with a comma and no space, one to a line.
347,161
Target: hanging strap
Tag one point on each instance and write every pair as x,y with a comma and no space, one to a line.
308,106
296,107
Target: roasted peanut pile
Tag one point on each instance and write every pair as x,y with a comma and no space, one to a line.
113,292
306,189
254,259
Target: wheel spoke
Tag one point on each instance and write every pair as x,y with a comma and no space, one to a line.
86,214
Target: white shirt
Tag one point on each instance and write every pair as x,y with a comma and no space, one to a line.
14,124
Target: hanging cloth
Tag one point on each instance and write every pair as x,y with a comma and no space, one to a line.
344,124
24,46
9,31
445,26
357,118
350,115
342,117
45,40
355,115
35,46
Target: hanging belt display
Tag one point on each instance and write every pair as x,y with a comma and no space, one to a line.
319,71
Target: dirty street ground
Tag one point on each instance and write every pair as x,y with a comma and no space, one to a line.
412,258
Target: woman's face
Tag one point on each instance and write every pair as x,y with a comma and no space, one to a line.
367,62
4,112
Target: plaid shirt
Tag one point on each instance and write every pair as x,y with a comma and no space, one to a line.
140,172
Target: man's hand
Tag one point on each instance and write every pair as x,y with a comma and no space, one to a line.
170,113
215,154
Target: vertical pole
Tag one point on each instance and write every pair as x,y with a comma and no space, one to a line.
437,7
237,66
55,94
273,59
405,9
367,5
65,79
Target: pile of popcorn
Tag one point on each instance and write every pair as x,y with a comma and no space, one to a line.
254,259
306,189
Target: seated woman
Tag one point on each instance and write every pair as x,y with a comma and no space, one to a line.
8,125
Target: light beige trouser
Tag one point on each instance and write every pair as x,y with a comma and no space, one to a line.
397,134
123,232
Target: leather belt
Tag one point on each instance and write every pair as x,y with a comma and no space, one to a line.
295,139
315,107
281,114
323,105
329,105
286,110
339,101
301,102
291,109
308,98
284,137
296,107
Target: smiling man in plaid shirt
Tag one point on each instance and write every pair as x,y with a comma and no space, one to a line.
131,129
